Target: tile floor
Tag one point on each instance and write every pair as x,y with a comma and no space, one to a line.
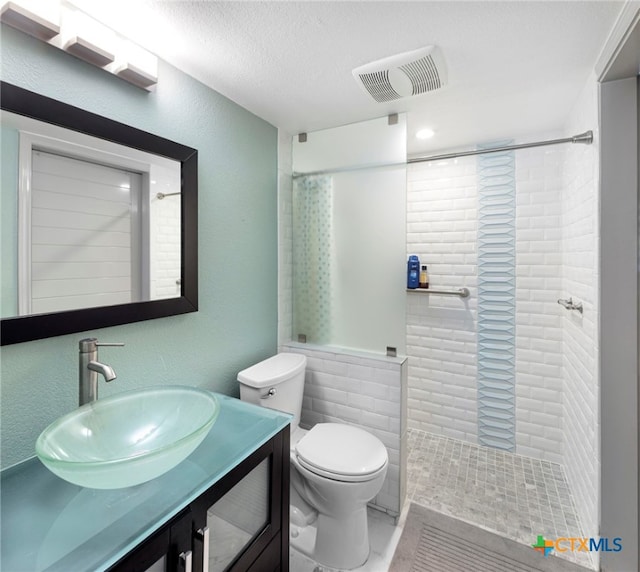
517,497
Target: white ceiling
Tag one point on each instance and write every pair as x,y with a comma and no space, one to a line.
515,67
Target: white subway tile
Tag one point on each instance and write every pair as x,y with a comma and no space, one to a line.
347,413
360,401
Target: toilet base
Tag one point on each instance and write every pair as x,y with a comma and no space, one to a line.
338,543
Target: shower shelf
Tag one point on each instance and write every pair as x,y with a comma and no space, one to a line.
462,292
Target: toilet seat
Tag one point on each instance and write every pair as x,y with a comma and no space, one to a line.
341,452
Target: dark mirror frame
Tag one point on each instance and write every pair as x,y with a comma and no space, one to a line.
39,326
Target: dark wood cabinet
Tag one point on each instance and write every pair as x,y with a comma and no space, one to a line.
239,524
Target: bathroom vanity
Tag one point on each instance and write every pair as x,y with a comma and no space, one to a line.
226,507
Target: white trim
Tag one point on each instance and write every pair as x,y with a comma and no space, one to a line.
627,24
56,138
138,253
24,223
618,328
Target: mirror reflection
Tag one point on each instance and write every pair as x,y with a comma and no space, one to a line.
86,222
35,153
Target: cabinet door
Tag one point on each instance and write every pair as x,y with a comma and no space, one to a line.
167,550
242,515
240,524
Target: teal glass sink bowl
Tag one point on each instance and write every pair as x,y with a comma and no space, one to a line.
129,438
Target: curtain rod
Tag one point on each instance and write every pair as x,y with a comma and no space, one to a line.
586,138
161,196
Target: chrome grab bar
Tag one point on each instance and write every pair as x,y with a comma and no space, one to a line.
462,292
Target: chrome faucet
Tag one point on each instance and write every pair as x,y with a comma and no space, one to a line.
90,367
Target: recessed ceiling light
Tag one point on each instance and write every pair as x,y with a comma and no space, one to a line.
425,133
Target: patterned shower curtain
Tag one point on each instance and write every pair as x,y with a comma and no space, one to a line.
312,258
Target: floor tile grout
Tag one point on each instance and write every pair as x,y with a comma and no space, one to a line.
516,496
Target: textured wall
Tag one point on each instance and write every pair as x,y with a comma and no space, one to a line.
237,322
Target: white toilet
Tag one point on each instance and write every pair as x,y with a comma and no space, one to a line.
336,469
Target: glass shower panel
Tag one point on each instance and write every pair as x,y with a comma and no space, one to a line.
369,282
349,246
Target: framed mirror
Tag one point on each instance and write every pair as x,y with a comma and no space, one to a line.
99,223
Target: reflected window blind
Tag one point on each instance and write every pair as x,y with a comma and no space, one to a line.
81,234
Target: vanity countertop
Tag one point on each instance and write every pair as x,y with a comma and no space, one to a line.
48,523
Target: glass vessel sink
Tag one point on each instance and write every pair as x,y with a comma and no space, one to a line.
129,438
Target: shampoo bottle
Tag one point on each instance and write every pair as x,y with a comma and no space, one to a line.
424,277
413,272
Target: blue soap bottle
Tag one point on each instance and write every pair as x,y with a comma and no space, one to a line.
413,272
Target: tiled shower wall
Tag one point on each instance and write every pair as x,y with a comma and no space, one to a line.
538,314
442,225
557,361
165,214
580,238
441,331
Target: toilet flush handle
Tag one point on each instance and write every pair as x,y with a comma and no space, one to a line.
269,393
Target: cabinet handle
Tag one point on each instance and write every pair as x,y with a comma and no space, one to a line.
185,561
202,535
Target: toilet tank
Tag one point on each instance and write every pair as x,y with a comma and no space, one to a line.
277,383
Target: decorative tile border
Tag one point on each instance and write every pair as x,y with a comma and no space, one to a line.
496,299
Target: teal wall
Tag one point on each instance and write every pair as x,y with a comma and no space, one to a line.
237,321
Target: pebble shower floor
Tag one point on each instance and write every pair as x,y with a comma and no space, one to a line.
517,497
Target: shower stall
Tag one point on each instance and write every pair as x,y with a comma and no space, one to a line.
497,420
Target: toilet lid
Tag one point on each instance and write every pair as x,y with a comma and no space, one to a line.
341,450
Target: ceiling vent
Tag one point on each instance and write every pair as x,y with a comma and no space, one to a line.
403,75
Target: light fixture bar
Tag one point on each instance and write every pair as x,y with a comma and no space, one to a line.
88,52
64,26
135,75
26,21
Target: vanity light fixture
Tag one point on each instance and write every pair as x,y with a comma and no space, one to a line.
86,38
136,65
89,52
62,25
136,76
31,19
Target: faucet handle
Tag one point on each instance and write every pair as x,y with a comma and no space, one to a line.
91,344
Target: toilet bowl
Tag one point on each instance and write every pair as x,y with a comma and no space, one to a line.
340,469
336,469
